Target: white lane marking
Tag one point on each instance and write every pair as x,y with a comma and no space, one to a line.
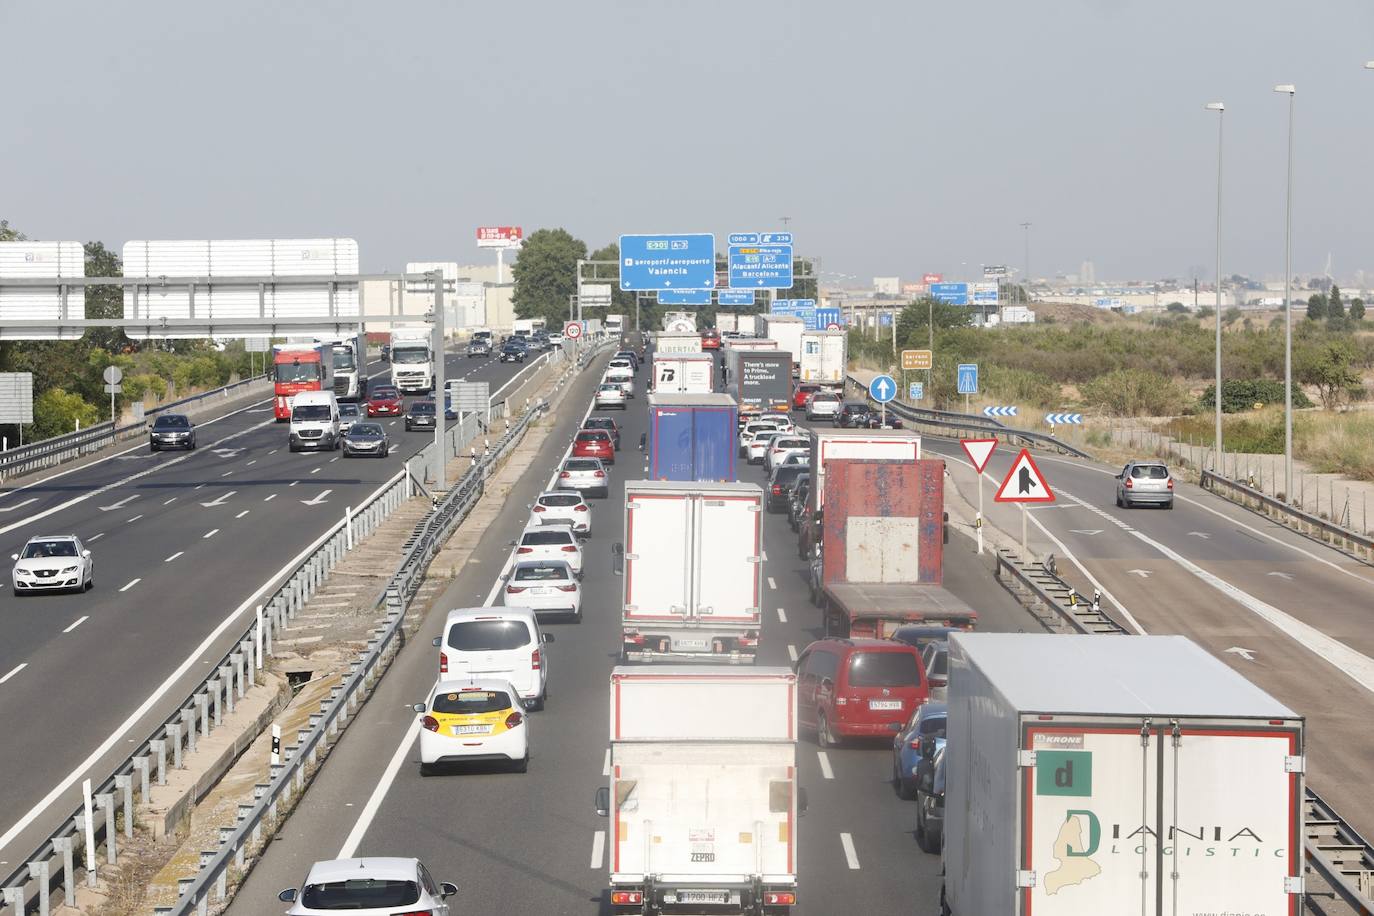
771,583
170,501
782,616
765,556
31,499
251,463
606,763
199,486
135,518
850,856
242,514
95,537
209,534
374,801
598,849
274,451
293,483
792,652
174,556
334,459
824,759
226,473
314,470
79,621
131,584
270,498
18,668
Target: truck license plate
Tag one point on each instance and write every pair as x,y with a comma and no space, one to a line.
689,644
717,897
884,704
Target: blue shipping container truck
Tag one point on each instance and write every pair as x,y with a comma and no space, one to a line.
692,437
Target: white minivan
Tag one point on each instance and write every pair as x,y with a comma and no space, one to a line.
496,642
315,421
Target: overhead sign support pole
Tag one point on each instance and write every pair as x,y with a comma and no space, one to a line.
440,459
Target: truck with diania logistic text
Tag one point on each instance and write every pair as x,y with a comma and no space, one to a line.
412,358
1096,775
703,801
693,567
298,367
692,437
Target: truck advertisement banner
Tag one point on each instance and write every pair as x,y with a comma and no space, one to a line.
762,381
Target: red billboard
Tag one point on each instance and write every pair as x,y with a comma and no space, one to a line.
499,236
928,279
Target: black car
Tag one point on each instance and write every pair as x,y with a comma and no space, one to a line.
608,425
780,485
172,430
386,353
366,439
801,491
512,353
930,802
479,346
855,415
420,416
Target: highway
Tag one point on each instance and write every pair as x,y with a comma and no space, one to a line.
182,543
531,843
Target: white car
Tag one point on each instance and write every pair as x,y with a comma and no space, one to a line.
783,420
782,446
556,339
550,542
620,370
627,386
472,721
544,586
496,642
610,394
349,413
822,405
563,506
375,885
51,564
587,475
751,428
759,445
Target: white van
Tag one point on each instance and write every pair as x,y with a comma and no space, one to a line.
496,642
315,421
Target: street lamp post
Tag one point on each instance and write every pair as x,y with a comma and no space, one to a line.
1026,283
1220,109
1291,91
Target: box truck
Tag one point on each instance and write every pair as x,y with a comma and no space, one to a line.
786,330
1090,775
412,359
349,358
760,380
692,437
727,321
683,372
525,327
703,800
824,357
882,549
748,325
615,325
693,568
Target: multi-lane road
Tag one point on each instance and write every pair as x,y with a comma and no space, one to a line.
183,543
531,843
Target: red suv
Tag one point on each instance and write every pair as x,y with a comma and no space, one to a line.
594,443
803,392
858,688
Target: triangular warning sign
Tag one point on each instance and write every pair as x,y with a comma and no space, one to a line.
979,451
1024,483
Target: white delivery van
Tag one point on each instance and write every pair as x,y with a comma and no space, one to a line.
499,642
315,421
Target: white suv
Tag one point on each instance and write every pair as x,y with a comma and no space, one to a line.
496,642
550,542
565,506
372,885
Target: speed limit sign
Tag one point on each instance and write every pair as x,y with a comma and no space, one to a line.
572,330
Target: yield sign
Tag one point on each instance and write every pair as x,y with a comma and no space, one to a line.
1024,483
979,451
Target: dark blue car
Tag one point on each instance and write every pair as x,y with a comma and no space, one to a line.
929,720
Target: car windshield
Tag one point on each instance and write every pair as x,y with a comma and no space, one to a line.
787,474
385,394
422,407
360,894
349,410
1150,471
560,500
365,429
310,412
599,423
409,353
582,464
488,635
542,537
39,549
939,663
298,372
594,436
343,358
825,396
611,387
884,669
791,443
471,702
549,572
172,421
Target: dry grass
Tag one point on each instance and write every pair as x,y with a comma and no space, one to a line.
1331,443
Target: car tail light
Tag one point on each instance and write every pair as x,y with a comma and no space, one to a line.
443,663
564,474
633,637
749,639
569,548
580,508
535,661
1171,483
623,898
525,550
779,898
1129,485
430,723
916,744
514,719
538,508
777,489
567,588
599,474
515,589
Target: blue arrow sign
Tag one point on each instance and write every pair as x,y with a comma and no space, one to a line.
737,297
760,266
825,317
999,411
684,297
1064,419
686,261
918,391
882,389
885,320
968,378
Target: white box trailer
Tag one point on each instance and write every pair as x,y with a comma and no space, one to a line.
824,357
703,800
786,330
873,444
748,325
693,567
727,321
683,373
1091,775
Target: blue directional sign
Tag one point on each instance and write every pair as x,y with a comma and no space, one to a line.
885,320
882,389
825,317
918,391
968,378
760,266
686,261
684,297
744,238
950,293
807,313
775,238
737,297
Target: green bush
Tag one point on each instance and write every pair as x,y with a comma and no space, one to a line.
1022,386
1135,392
56,411
1241,395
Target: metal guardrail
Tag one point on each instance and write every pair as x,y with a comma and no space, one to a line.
69,446
1055,594
1351,543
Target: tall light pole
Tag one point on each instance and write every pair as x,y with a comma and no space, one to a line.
1291,91
1026,286
1220,109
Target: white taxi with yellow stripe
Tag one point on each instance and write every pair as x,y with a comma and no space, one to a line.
473,720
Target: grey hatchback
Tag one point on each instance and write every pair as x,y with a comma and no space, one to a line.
1145,483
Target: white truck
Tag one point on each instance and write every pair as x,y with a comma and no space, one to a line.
786,330
703,798
350,375
693,567
412,359
1088,775
615,325
525,327
727,321
680,322
683,373
824,357
669,342
748,325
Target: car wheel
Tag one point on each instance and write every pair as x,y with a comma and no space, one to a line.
1169,504
152,448
1118,500
292,447
905,786
88,584
17,593
824,737
429,769
924,839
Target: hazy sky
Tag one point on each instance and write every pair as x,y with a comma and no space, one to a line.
900,136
